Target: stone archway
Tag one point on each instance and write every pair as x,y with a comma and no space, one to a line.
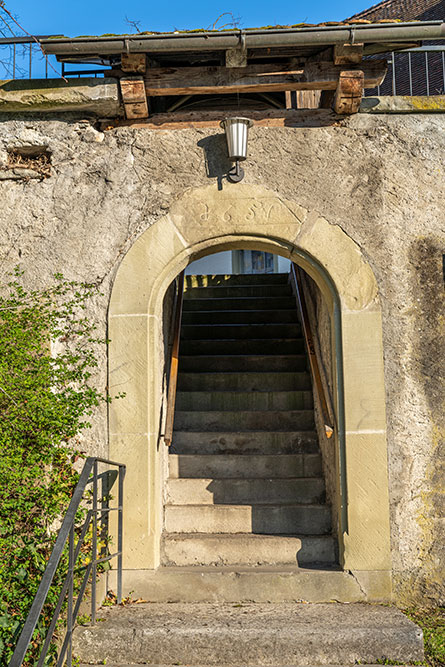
203,221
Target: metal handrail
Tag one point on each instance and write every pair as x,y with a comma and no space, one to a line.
314,362
67,532
174,361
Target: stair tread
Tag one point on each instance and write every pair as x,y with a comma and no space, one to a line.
244,536
284,392
245,479
243,507
243,324
254,356
248,373
214,435
247,311
254,456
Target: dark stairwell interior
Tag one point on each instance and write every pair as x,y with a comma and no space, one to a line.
245,482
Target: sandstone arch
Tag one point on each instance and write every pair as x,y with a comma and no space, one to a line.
203,221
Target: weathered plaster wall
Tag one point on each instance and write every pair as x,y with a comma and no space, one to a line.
380,178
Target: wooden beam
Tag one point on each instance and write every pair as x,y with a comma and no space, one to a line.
312,118
236,57
134,97
348,54
349,93
133,62
255,78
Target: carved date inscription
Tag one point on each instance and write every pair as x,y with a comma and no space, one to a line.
246,211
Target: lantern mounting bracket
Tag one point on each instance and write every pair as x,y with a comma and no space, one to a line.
235,173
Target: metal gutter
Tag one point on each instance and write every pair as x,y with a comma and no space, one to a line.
211,41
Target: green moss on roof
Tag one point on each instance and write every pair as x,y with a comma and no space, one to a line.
217,30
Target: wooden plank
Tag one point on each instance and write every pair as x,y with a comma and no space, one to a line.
134,97
348,54
254,78
174,361
203,119
314,361
349,93
134,62
308,99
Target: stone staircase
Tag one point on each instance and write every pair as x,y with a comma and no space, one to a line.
247,530
245,483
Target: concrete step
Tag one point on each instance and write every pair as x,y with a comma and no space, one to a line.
221,280
271,420
250,381
238,316
248,442
240,303
245,466
243,346
230,291
249,634
294,519
197,549
266,363
234,331
209,491
244,400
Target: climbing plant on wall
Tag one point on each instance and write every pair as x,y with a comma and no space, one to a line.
48,351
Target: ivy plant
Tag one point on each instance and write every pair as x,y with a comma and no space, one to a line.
48,352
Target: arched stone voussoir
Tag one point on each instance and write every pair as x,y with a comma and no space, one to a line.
341,257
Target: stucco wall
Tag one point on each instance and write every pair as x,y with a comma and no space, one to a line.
380,178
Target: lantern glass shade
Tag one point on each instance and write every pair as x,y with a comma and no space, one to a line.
236,130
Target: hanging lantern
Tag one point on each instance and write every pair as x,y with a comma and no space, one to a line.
236,130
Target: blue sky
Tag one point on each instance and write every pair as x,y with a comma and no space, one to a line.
79,17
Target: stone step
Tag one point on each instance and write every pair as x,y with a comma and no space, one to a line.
294,519
237,584
249,634
226,291
250,381
240,303
243,362
221,280
220,664
209,491
234,331
244,400
238,316
270,420
245,466
183,549
243,346
243,443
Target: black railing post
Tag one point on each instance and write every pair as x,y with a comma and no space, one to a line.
120,532
94,546
67,535
69,623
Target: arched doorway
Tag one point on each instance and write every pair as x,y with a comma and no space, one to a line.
204,221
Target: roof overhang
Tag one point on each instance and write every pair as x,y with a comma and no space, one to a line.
297,37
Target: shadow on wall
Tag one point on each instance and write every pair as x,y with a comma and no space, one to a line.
215,155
